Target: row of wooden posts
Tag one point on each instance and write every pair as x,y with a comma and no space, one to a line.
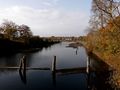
54,64
23,67
54,71
53,68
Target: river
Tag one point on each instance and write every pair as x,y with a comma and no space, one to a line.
73,59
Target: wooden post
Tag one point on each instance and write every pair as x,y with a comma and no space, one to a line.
88,64
54,71
22,69
88,73
21,63
54,64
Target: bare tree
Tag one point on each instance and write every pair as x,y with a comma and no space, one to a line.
25,31
9,28
108,10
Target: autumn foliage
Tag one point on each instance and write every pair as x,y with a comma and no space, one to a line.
106,39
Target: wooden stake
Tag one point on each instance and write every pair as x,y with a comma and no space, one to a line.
54,64
88,63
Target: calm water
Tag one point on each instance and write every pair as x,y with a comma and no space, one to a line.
67,58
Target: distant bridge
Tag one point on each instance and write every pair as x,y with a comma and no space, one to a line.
69,39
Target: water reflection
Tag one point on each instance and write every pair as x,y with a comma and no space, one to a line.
54,78
71,72
22,70
101,75
95,79
10,60
23,76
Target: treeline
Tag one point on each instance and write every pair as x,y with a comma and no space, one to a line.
32,44
11,31
37,42
104,29
14,38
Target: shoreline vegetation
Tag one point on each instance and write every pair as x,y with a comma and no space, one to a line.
32,45
111,60
19,38
103,38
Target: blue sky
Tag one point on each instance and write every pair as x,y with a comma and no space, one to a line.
48,17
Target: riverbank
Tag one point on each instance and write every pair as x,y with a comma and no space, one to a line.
66,58
31,45
114,62
111,60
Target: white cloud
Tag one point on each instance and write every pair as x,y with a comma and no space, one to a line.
48,3
47,21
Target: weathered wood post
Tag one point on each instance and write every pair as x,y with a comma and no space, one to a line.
54,64
88,65
22,69
54,71
88,72
76,50
21,64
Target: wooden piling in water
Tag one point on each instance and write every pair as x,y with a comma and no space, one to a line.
88,65
22,69
54,64
54,71
22,63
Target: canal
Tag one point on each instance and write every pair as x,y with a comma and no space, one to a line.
75,59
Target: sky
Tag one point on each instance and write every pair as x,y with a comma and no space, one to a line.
48,17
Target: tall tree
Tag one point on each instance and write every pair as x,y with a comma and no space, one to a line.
105,11
9,28
25,31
